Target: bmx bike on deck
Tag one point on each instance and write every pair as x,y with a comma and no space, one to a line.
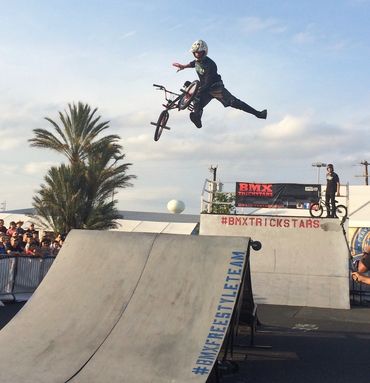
317,209
181,101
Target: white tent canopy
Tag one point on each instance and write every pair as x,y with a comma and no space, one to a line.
125,225
9,217
359,206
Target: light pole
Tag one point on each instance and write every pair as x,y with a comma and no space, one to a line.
318,165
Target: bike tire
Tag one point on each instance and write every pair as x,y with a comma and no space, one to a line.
341,211
189,94
161,123
316,210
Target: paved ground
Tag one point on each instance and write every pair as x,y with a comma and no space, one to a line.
296,344
306,345
8,311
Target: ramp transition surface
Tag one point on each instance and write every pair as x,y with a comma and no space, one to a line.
127,307
303,261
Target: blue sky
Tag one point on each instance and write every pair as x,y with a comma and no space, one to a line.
305,61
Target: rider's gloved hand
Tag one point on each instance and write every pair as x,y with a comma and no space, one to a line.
179,66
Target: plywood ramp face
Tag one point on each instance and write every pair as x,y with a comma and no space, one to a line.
303,261
140,308
75,307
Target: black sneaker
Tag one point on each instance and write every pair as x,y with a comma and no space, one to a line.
195,119
262,114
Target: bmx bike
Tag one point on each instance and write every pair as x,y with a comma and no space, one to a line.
179,101
317,209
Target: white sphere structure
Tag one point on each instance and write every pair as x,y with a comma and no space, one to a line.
175,206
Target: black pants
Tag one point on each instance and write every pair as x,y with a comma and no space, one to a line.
220,93
330,204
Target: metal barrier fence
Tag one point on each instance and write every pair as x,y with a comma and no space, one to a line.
20,276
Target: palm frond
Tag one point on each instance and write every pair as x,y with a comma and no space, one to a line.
79,194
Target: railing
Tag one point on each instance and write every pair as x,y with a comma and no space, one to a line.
20,275
210,204
208,200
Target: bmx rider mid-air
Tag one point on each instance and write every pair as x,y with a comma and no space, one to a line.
211,85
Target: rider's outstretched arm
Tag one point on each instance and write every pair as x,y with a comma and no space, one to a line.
181,66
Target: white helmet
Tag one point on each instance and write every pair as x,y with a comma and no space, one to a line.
199,46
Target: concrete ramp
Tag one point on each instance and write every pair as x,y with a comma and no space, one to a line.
127,307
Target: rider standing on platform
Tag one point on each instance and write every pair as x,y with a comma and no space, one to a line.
211,85
332,188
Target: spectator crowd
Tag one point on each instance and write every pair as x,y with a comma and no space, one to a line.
15,240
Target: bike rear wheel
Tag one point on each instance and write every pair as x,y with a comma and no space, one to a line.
341,211
316,210
188,95
161,123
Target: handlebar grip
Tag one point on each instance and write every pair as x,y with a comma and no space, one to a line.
158,86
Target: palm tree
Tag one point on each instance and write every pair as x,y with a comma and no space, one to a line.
75,138
58,202
79,194
70,198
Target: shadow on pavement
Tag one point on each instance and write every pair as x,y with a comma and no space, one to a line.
305,345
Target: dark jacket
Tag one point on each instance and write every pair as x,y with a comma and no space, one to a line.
207,72
331,183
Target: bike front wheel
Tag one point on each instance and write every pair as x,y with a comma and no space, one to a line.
341,211
188,95
316,210
161,124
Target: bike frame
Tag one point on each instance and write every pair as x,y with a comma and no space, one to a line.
181,101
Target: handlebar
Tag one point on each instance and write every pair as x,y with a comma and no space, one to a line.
159,86
167,92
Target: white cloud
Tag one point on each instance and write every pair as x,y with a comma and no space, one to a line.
17,120
314,35
308,36
176,27
142,193
251,25
39,168
339,45
127,34
8,140
138,118
8,169
143,198
287,128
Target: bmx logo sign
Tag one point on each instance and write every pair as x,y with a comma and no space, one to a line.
222,317
264,190
296,196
